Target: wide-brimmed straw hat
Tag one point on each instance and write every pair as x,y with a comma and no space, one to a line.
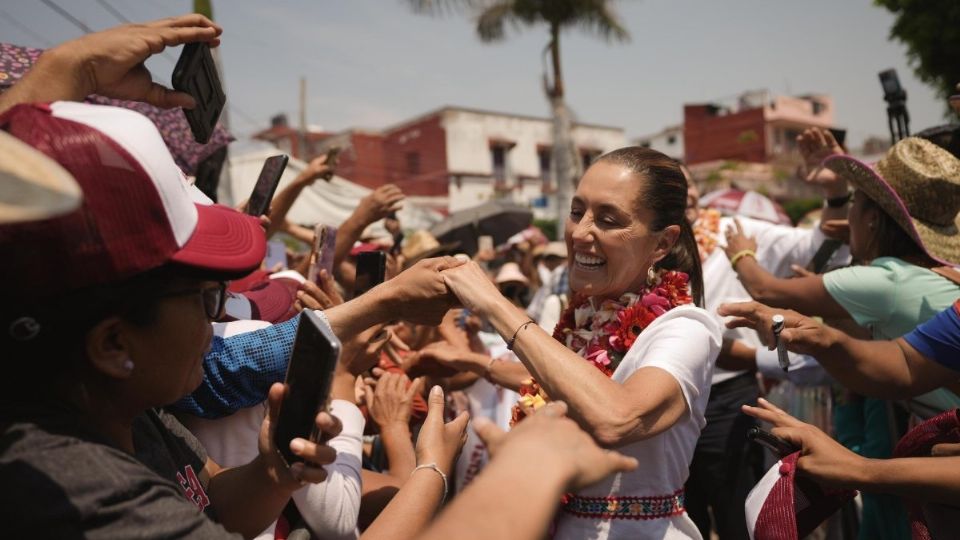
917,183
421,245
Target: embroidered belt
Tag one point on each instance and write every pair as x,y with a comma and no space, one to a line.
624,507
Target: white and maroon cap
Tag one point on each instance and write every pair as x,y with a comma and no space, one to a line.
137,213
784,506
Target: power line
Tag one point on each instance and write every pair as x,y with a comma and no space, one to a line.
23,28
113,11
68,16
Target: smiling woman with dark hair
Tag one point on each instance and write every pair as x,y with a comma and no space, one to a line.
632,355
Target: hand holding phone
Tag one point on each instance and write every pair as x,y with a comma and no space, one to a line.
371,271
316,351
780,447
196,74
333,156
266,186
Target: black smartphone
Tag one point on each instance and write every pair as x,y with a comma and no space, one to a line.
371,270
333,156
778,446
266,186
309,378
196,74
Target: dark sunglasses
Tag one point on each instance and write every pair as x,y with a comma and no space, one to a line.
214,298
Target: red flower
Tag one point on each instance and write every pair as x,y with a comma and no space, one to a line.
633,320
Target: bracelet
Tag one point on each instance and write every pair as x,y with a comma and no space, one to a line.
514,338
838,202
741,254
434,467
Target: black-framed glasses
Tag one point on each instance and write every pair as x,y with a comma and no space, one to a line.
214,298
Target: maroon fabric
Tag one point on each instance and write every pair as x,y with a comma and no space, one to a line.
109,238
929,521
796,505
272,300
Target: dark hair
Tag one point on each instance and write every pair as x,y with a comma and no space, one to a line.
47,336
664,192
890,238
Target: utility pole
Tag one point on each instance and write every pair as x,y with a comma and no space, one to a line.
303,119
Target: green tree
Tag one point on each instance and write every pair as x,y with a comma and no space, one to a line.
492,19
931,31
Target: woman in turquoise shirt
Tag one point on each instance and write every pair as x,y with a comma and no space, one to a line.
902,230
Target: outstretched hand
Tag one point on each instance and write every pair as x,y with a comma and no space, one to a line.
441,442
800,334
111,63
816,145
821,458
549,435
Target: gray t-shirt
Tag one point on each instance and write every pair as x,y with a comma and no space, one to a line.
62,480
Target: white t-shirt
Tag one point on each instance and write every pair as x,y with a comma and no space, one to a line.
778,247
684,342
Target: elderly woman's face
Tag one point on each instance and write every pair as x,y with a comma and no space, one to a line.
610,244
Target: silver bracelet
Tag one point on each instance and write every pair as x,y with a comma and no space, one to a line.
434,467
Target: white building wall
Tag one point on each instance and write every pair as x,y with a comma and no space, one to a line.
468,138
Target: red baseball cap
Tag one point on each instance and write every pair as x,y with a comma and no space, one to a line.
784,506
136,215
270,299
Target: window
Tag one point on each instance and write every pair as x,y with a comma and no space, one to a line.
672,139
413,163
588,156
645,144
544,157
498,154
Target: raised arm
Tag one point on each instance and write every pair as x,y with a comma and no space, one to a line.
284,200
882,369
110,63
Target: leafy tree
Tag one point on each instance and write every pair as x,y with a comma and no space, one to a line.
931,31
492,19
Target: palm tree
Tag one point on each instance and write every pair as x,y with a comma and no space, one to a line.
593,16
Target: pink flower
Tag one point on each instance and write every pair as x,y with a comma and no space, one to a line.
655,303
598,355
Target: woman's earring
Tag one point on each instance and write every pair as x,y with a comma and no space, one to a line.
651,276
128,365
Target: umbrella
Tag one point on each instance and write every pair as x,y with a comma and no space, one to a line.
15,61
499,219
745,203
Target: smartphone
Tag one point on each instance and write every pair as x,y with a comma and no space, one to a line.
322,251
309,378
371,270
196,74
259,202
333,156
778,446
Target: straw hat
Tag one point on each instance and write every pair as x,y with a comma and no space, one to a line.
33,186
421,245
918,184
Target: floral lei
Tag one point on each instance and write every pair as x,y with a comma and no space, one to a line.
707,230
603,335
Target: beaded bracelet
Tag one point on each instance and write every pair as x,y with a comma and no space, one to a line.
433,466
514,338
741,254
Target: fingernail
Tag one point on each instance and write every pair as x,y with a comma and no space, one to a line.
297,446
436,391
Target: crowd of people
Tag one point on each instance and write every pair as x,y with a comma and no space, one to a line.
599,386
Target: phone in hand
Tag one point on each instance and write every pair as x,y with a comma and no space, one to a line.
333,156
322,251
371,271
196,74
259,202
316,351
780,447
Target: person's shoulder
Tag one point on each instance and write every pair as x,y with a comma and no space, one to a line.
687,320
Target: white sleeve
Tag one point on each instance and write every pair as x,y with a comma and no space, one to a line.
685,343
779,246
331,507
804,370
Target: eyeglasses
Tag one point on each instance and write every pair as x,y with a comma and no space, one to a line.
214,298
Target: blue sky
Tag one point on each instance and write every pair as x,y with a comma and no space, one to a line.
371,63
